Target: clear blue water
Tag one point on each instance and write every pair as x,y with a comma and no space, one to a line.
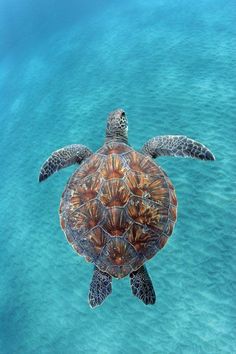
65,65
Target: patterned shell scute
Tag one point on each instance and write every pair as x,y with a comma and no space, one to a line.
118,209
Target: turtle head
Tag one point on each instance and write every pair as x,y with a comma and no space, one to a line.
117,126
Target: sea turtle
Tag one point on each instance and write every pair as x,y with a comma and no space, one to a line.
119,208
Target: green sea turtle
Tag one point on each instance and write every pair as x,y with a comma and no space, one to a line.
119,207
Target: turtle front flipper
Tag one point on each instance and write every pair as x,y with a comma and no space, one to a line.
176,145
100,287
142,287
64,157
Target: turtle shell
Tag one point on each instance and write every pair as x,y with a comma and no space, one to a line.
118,209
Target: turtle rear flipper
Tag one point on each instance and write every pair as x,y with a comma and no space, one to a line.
142,287
100,287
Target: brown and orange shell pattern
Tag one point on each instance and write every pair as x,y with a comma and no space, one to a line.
118,209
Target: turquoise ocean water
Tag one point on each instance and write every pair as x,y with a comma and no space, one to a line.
65,65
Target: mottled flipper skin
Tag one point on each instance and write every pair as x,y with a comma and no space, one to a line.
176,145
100,287
142,287
64,157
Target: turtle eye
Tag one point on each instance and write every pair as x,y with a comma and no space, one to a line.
123,114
